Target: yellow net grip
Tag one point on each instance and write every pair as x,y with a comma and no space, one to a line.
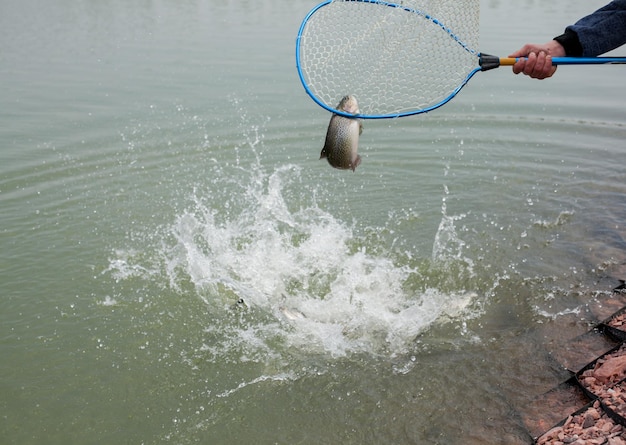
508,61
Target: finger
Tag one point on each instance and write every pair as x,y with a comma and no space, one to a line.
525,50
552,67
518,66
547,69
541,69
529,67
520,52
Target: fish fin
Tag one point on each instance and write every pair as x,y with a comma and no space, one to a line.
356,163
360,128
323,154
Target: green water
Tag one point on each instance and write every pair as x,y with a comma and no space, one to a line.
166,223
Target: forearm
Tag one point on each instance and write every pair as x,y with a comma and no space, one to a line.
597,33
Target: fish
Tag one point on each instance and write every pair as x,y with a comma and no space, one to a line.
291,313
342,138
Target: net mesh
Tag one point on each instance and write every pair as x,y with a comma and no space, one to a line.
391,59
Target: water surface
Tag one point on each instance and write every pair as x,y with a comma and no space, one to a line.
178,266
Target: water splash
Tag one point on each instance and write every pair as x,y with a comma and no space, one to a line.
298,276
275,378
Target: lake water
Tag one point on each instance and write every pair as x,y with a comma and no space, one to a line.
179,267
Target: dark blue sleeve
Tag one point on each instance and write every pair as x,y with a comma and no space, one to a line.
602,31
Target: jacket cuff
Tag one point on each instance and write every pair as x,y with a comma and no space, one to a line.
569,41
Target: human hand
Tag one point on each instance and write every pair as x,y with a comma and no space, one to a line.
536,60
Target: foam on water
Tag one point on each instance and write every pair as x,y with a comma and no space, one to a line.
301,278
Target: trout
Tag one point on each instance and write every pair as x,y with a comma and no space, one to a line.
342,137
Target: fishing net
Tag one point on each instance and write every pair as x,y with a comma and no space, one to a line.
396,58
